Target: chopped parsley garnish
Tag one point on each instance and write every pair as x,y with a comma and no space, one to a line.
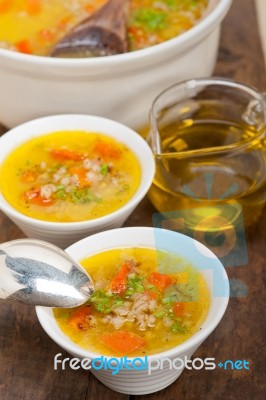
83,196
105,301
104,169
150,18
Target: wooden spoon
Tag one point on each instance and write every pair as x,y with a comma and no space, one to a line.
102,34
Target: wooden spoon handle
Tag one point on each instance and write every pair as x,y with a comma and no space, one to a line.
111,16
106,29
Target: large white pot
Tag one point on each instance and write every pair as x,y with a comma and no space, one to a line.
119,87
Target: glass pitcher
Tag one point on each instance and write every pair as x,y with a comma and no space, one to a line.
208,140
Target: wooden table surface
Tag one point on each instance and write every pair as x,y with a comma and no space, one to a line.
26,352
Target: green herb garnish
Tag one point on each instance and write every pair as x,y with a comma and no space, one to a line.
150,19
104,301
104,169
61,192
159,314
124,188
83,196
178,328
135,285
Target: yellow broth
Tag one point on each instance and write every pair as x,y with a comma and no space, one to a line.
150,312
70,176
180,180
35,26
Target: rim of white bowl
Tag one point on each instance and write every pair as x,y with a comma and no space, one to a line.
193,341
209,20
142,189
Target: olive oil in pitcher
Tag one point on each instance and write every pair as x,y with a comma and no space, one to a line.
204,163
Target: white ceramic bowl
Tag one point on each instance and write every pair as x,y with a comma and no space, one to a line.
140,382
64,234
119,87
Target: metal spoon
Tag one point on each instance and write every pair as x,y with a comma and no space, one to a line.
39,273
102,34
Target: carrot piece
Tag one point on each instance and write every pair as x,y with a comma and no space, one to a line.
187,25
65,154
33,7
24,46
81,173
64,21
107,150
33,196
89,8
160,281
122,342
179,309
5,5
46,35
152,295
28,176
138,35
30,194
78,318
40,201
119,282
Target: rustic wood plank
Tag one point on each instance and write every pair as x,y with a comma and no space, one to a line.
2,129
97,391
26,358
26,366
240,335
240,56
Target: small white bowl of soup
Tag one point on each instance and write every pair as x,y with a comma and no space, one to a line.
65,177
158,295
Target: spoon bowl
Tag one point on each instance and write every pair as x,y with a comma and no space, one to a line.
39,273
